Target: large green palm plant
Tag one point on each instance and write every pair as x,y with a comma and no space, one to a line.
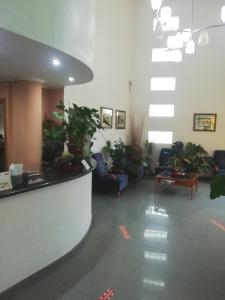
80,124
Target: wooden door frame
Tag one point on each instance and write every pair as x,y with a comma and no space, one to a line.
3,102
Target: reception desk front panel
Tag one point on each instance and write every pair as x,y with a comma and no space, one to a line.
39,226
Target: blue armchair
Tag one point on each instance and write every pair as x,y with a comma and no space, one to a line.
219,162
163,162
105,180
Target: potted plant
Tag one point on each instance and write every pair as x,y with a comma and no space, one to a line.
133,161
190,158
68,162
107,151
217,187
118,154
53,141
147,158
80,124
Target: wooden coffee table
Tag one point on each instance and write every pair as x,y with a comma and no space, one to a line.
189,181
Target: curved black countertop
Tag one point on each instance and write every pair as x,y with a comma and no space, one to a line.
49,177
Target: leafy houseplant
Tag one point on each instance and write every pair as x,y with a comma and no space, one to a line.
128,158
135,166
80,124
53,141
107,151
147,157
189,158
217,187
67,162
118,154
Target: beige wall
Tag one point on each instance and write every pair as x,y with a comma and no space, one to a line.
24,123
112,66
27,105
5,96
50,99
200,77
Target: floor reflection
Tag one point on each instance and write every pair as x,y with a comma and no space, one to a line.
155,234
155,256
154,210
153,283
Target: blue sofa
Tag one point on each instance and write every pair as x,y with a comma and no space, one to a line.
219,162
108,180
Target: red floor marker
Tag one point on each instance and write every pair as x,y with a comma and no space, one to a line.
124,232
216,223
107,295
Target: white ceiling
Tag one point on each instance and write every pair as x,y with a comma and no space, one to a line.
24,59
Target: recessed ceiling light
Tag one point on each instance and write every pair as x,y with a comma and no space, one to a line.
56,62
71,79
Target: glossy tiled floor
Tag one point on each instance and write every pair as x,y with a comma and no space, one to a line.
175,252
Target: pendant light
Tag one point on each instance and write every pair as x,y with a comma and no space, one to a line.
203,39
183,39
156,4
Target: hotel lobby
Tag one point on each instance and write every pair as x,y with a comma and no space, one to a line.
151,73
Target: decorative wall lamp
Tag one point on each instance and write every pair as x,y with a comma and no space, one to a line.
183,39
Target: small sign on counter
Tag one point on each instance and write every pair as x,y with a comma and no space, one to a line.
5,181
85,164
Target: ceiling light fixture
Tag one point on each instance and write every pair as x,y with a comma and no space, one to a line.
71,79
203,39
184,39
56,62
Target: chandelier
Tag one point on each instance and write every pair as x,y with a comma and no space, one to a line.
183,39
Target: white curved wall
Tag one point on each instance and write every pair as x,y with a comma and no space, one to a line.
112,67
40,226
67,25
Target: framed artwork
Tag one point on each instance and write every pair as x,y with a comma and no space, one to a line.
120,119
204,122
106,117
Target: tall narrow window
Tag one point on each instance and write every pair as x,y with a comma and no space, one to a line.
163,83
161,110
223,14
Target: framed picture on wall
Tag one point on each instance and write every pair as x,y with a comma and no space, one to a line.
106,117
204,122
120,119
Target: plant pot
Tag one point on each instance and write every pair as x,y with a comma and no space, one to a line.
178,173
69,165
51,150
137,149
67,168
73,149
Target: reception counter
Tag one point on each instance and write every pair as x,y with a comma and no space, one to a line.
40,223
